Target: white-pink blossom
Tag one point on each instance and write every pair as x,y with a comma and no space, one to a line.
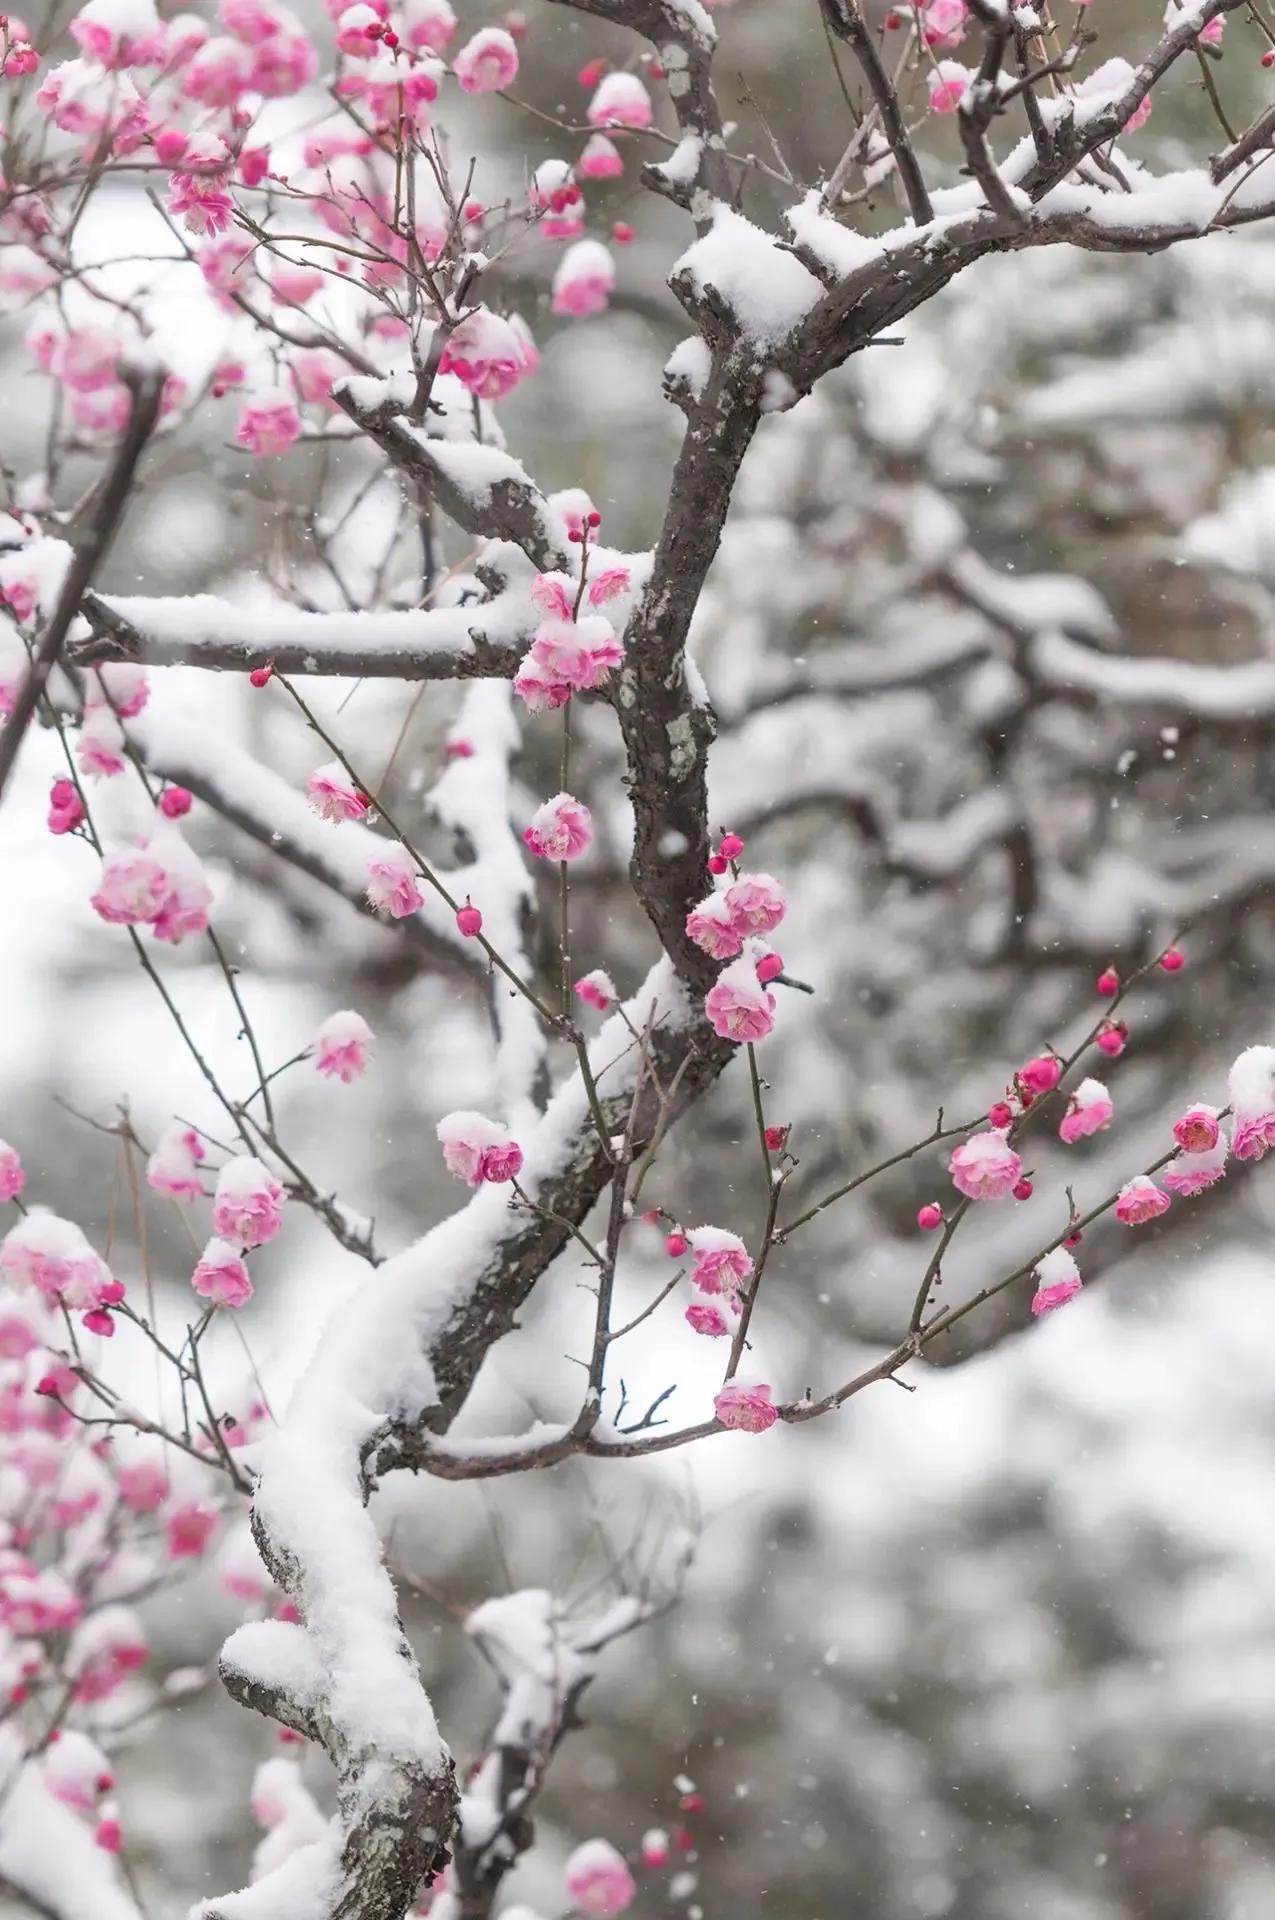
477,1149
334,795
342,1046
584,280
174,1167
486,63
561,829
221,1276
984,1167
745,1405
391,882
248,1202
1089,1111
598,1880
620,100
1057,1281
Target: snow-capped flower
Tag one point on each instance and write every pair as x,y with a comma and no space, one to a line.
487,63
745,1405
12,1178
173,1168
1057,1281
1139,1201
596,989
1088,1111
104,1649
601,159
945,22
984,1167
427,23
268,424
584,281
74,1768
621,100
221,1276
1190,1173
1251,1084
478,1149
51,1254
598,1880
755,903
248,1202
711,926
391,882
559,830
946,85
99,750
333,794
738,1007
485,354
720,1261
342,1046
132,888
707,1319
1197,1130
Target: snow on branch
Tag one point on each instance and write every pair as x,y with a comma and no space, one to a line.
391,1365
202,630
484,490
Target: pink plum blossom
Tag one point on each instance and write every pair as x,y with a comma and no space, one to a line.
188,1528
946,85
427,23
745,1405
1189,1173
477,1149
596,989
333,794
720,1262
248,1202
52,1256
105,1648
485,354
559,830
294,284
738,1007
342,1046
984,1167
584,280
1057,1281
316,371
1140,1200
600,160
1112,78
1251,1084
391,882
132,888
1197,1130
12,1178
1090,1110
487,63
200,201
946,21
73,1767
173,1168
221,1276
123,686
705,1318
143,1484
99,750
1040,1075
621,100
598,1880
66,809
756,903
268,425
